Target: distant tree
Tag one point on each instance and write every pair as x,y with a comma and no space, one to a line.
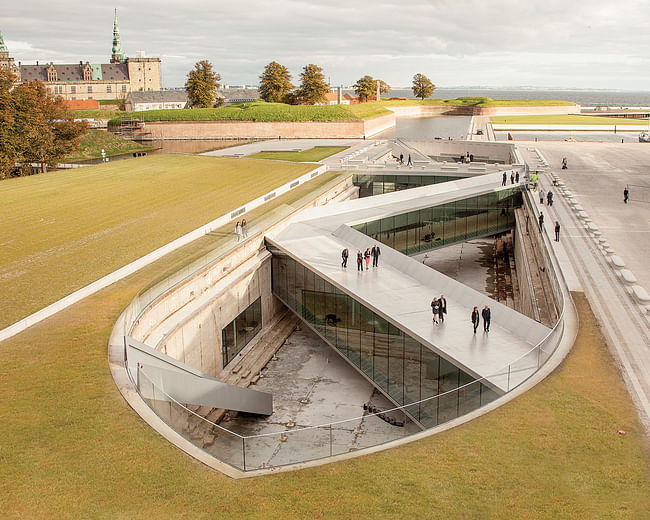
45,128
9,151
366,88
422,86
202,84
313,87
275,83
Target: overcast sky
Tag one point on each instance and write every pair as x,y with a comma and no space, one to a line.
549,43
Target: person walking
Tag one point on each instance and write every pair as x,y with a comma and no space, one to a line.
475,318
375,252
564,163
238,230
541,221
366,255
549,198
512,177
409,162
541,196
359,260
557,231
487,316
401,158
626,194
244,228
504,180
533,179
344,257
443,307
435,309
517,177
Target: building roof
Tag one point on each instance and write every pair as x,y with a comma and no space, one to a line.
251,94
157,96
74,72
82,104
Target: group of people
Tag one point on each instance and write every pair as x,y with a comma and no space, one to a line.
241,230
486,314
401,160
439,309
540,219
514,178
361,257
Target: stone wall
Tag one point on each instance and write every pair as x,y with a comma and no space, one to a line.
437,110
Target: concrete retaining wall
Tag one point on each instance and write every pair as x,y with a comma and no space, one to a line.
438,110
500,152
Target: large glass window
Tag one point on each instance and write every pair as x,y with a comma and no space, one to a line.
238,333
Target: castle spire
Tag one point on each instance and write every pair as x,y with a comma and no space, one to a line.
117,55
3,47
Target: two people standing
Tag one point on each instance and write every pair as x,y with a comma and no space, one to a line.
486,314
241,230
439,309
367,255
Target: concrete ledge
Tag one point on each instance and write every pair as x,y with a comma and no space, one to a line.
640,294
627,276
578,207
617,262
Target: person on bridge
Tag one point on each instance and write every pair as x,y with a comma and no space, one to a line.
626,194
564,164
359,260
517,177
541,221
557,231
541,195
505,179
409,162
366,255
401,158
549,198
375,252
512,177
475,318
443,307
344,257
435,308
487,316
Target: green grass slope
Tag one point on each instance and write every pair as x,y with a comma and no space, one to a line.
96,140
315,154
63,230
570,119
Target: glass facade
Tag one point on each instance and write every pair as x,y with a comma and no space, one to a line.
236,335
425,229
403,368
370,185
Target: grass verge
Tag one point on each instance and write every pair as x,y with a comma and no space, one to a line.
63,230
96,140
570,119
72,448
478,102
311,155
99,114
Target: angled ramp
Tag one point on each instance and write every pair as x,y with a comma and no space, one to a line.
168,378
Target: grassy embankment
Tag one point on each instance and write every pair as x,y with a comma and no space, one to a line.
99,114
63,230
96,140
478,102
315,154
72,448
570,119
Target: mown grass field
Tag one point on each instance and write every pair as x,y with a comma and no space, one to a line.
570,119
315,154
72,448
96,140
65,229
99,114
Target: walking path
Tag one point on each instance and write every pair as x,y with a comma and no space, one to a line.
595,179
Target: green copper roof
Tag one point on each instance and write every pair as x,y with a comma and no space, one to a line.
3,47
117,44
97,72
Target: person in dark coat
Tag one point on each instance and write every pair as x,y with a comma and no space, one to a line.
409,162
541,221
512,177
487,316
401,158
435,308
375,252
626,195
475,318
557,231
344,256
505,179
359,260
517,177
443,307
549,198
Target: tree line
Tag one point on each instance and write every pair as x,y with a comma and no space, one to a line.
276,86
36,128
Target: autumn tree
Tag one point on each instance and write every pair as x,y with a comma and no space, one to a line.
35,127
422,86
275,83
313,87
202,84
366,88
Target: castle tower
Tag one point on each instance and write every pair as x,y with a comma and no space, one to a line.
117,54
7,62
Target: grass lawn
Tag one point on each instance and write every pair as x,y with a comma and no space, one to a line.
65,229
99,114
570,119
72,448
477,101
96,140
312,155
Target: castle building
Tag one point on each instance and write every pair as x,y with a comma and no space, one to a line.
85,80
6,62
